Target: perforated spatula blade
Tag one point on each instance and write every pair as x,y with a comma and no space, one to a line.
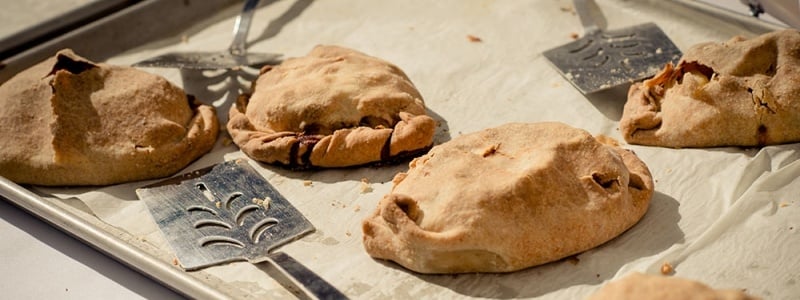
236,55
602,60
226,213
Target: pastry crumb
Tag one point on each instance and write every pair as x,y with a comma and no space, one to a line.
474,39
667,268
574,35
568,9
365,187
218,204
174,261
263,202
357,208
574,260
307,182
226,141
347,233
784,204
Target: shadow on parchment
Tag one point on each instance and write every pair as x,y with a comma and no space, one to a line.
610,102
656,231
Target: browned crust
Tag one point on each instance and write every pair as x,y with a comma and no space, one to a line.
70,121
333,108
742,92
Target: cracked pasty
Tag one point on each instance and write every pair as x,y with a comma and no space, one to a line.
508,198
737,93
638,286
335,107
69,121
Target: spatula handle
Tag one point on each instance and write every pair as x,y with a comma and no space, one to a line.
305,279
242,27
591,17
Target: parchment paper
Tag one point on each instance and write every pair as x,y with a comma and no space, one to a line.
724,216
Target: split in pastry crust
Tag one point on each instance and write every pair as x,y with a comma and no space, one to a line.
743,92
69,121
335,107
508,198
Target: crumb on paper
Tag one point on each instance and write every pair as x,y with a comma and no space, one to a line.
357,208
574,260
348,233
307,182
574,35
667,268
784,204
568,9
226,141
174,261
365,187
474,39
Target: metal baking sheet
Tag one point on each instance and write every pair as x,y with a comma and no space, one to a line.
705,198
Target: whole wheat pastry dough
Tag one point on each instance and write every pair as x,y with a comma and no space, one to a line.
335,107
743,92
638,286
69,121
508,198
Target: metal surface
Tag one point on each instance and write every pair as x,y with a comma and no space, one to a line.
787,11
95,41
236,56
602,60
107,242
226,213
61,24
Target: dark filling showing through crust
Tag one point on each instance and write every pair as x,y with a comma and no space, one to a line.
299,162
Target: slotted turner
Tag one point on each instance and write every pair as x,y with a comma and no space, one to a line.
236,56
605,59
227,213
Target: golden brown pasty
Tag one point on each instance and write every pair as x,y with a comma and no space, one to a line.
69,121
508,198
638,286
335,107
743,92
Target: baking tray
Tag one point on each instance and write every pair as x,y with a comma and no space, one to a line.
497,68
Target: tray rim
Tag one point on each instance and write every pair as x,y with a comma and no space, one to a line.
142,261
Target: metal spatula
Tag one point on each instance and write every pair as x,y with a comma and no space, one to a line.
236,56
605,59
226,213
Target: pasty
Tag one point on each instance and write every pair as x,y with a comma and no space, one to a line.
335,107
639,286
69,121
743,92
508,198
